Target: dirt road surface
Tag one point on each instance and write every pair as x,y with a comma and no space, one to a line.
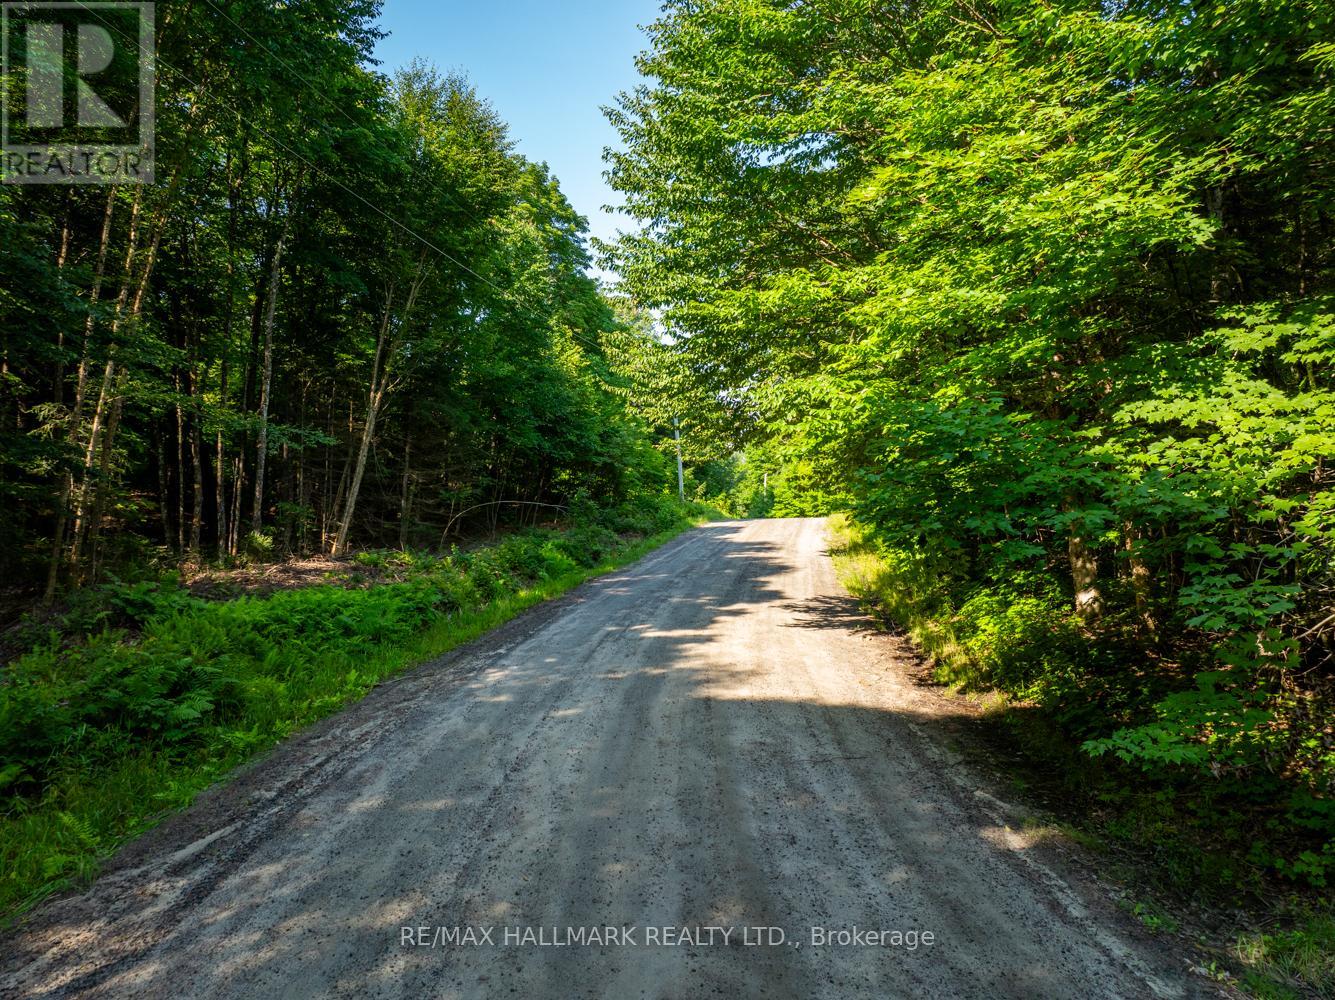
710,740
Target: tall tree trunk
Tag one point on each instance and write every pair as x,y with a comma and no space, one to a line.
62,256
1139,572
136,311
385,351
196,459
406,495
80,390
114,380
81,494
95,434
238,485
220,464
368,428
266,377
234,181
180,471
164,511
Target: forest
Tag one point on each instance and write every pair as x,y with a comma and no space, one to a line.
348,341
254,354
1040,294
1035,298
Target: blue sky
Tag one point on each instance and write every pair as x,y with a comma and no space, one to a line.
546,65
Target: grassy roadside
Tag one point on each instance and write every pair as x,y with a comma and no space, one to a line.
1179,854
104,735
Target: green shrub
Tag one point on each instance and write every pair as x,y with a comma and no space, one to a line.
151,694
1016,641
1203,750
589,544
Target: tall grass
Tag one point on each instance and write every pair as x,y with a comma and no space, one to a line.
1282,962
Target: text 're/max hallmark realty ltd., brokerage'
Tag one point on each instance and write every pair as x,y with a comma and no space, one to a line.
636,936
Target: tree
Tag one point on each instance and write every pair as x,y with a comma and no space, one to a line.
1042,293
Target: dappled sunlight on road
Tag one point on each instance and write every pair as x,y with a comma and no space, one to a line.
713,737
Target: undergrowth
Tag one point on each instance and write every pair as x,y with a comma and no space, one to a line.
103,732
1257,839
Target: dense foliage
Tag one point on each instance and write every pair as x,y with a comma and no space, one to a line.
147,692
1042,292
346,314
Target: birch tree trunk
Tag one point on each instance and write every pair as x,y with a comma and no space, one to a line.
81,494
120,317
76,413
113,424
368,428
385,351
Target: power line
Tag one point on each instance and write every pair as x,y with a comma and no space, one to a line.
506,297
315,90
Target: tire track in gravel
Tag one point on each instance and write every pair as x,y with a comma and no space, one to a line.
709,737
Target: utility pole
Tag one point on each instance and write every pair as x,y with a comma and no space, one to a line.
681,479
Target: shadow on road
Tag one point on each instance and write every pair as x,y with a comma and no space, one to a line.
715,736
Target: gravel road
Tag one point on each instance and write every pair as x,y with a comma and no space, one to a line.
705,752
